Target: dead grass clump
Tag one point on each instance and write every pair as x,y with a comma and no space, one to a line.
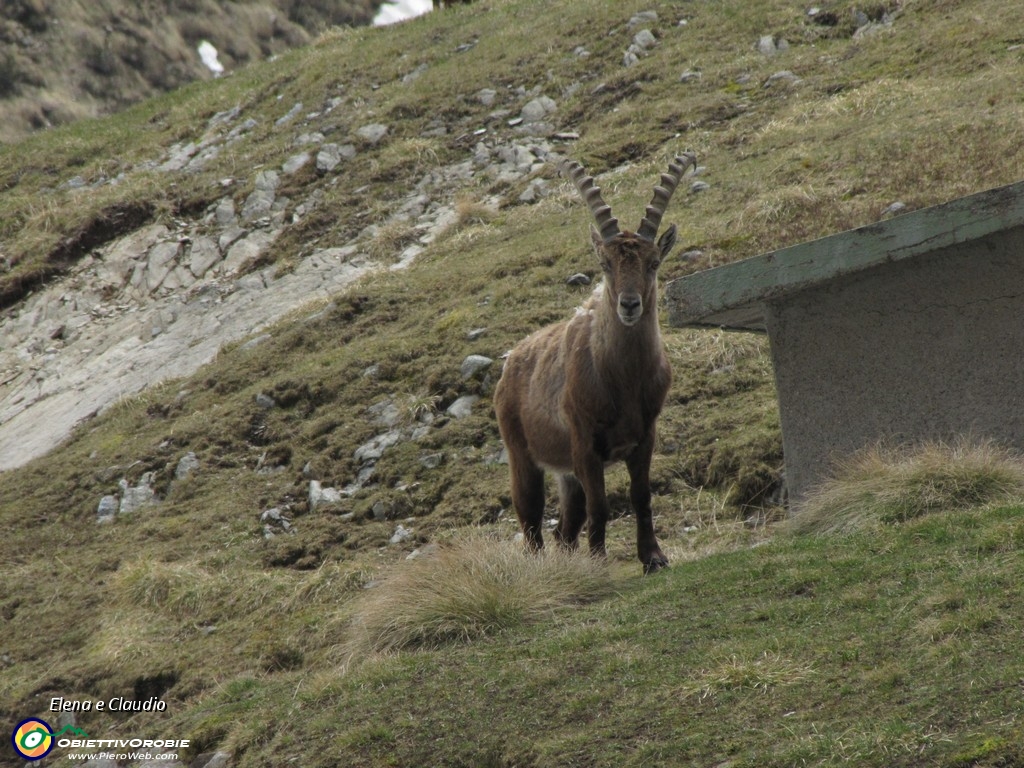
469,588
885,485
470,211
389,240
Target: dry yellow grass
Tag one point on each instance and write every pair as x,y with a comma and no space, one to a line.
885,484
470,587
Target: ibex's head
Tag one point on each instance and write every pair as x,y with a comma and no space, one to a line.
630,260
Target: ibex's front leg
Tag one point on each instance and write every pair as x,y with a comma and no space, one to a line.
639,464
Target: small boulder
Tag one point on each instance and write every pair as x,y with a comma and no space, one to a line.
296,163
107,509
320,496
474,364
188,464
401,535
372,133
462,407
136,497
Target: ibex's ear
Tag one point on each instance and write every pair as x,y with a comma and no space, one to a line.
597,240
667,241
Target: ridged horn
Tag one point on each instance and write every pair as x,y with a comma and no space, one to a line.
607,224
648,229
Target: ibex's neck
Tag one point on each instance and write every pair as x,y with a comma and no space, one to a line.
636,346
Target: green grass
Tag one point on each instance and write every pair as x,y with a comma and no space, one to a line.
894,644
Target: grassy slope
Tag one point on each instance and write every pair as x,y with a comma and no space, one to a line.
881,646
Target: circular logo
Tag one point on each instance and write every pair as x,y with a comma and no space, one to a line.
32,738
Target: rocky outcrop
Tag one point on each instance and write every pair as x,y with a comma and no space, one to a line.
159,301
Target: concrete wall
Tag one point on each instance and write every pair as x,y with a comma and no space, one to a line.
930,347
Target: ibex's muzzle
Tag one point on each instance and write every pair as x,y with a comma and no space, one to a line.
630,308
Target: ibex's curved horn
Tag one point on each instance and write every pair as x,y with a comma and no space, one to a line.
607,224
663,193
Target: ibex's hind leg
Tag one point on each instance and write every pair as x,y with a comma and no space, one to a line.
528,497
573,510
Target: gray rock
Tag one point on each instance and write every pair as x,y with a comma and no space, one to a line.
432,460
537,109
275,522
212,760
245,127
262,198
374,448
462,407
160,262
134,498
767,45
784,76
629,58
372,133
319,496
330,156
690,76
381,510
309,138
486,96
107,509
537,189
699,186
644,17
229,236
385,413
475,334
895,209
265,401
291,115
474,364
415,75
401,535
188,464
246,251
578,279
644,39
204,253
296,163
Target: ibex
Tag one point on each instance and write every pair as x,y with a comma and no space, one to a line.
576,396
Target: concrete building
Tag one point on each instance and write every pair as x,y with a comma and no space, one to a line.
909,329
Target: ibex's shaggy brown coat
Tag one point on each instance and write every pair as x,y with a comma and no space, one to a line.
581,394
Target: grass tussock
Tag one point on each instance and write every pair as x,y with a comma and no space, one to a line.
469,588
757,674
886,485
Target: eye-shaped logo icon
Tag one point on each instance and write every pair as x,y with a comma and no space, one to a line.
32,738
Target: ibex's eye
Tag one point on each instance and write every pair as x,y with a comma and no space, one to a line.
653,266
606,266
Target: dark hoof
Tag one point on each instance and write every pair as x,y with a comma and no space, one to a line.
654,565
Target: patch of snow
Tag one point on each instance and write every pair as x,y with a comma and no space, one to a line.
209,56
400,10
